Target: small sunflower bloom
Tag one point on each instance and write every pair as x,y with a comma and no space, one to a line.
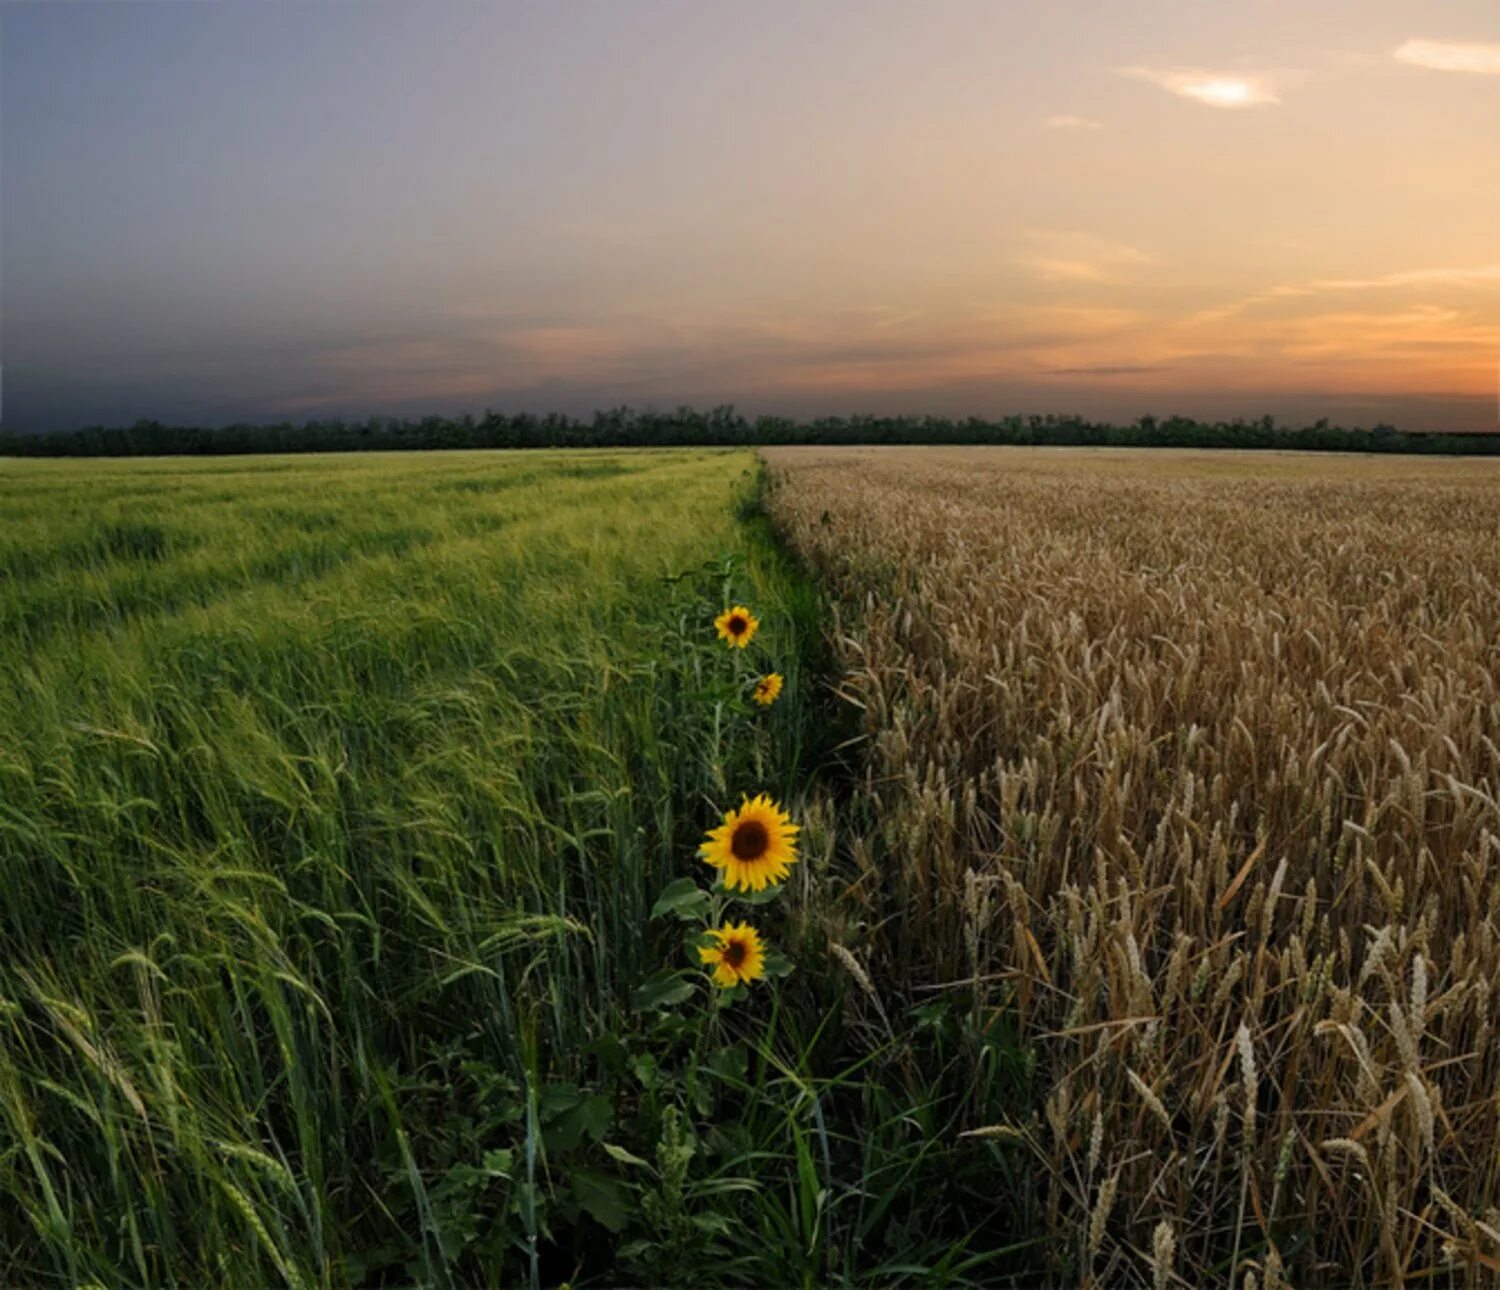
768,689
737,958
755,847
737,626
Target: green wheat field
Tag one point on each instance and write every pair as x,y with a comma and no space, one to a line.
335,797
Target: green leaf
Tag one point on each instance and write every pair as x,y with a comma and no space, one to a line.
777,964
763,897
595,1116
499,1163
625,1157
558,1098
728,1063
713,1224
684,899
602,1198
591,1116
666,989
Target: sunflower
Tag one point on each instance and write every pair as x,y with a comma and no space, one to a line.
767,689
737,626
755,847
738,958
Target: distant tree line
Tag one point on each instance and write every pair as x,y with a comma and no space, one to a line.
626,427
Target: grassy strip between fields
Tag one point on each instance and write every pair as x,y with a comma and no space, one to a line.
337,809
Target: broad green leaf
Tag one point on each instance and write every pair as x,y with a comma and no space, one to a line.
684,899
664,990
763,897
603,1198
777,964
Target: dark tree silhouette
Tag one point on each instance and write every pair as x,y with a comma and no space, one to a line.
624,427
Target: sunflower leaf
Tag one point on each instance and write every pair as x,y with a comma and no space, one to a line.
763,897
684,899
777,964
665,989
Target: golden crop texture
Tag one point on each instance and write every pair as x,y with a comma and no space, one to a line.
1190,762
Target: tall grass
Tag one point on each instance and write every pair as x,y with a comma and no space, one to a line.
1192,767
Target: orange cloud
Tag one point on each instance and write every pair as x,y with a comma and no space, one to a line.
1451,56
1066,256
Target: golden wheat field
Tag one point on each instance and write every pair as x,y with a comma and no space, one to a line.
1192,763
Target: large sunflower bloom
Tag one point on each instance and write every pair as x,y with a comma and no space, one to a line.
767,689
736,626
755,847
738,958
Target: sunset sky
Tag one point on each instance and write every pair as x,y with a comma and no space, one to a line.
266,210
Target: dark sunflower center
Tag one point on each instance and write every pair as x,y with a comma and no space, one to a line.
734,953
737,625
750,840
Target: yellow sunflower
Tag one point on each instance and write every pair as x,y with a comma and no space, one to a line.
755,847
738,958
737,626
767,689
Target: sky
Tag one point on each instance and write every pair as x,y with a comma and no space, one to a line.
289,209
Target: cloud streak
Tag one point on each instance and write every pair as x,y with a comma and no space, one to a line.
1107,369
1451,56
1227,90
1471,277
1064,256
1067,121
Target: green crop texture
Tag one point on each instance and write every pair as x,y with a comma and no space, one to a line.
334,797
